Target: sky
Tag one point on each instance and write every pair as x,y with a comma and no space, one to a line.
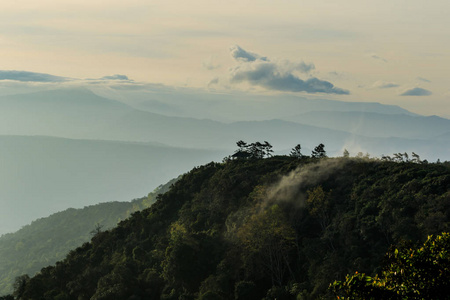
392,52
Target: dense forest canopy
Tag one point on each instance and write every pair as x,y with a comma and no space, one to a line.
282,227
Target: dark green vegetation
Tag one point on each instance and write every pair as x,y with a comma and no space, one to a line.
279,227
48,240
411,272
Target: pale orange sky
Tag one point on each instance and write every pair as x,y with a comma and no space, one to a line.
376,50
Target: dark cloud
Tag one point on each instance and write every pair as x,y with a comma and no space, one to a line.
25,76
423,79
279,76
115,77
416,92
240,54
269,76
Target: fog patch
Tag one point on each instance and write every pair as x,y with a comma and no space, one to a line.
291,188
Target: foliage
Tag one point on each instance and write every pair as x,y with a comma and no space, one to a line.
296,151
255,150
221,233
268,239
346,154
421,272
47,240
319,151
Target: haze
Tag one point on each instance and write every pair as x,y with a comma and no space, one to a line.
105,100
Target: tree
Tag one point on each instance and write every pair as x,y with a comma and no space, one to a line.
242,153
319,205
268,239
242,145
267,149
416,158
346,154
97,229
296,151
421,272
319,151
255,150
20,285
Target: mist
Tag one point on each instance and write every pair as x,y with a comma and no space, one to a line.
291,188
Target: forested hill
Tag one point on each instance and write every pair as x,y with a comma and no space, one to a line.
48,240
279,227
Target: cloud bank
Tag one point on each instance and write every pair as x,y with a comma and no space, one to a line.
25,76
416,92
115,77
257,70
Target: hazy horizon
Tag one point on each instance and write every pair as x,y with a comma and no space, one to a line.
392,52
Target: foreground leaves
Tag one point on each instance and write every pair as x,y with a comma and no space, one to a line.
421,272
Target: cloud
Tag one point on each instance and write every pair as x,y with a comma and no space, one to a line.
377,57
301,66
240,54
423,79
213,81
209,64
416,92
335,74
385,85
115,77
278,76
25,76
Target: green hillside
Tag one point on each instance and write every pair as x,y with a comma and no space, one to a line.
274,228
48,240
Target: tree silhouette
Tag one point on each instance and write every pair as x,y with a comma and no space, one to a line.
255,150
296,151
346,154
319,151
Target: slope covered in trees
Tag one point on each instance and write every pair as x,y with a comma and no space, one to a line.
48,240
280,227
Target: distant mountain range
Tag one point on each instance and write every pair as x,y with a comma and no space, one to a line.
235,106
81,114
41,175
376,124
